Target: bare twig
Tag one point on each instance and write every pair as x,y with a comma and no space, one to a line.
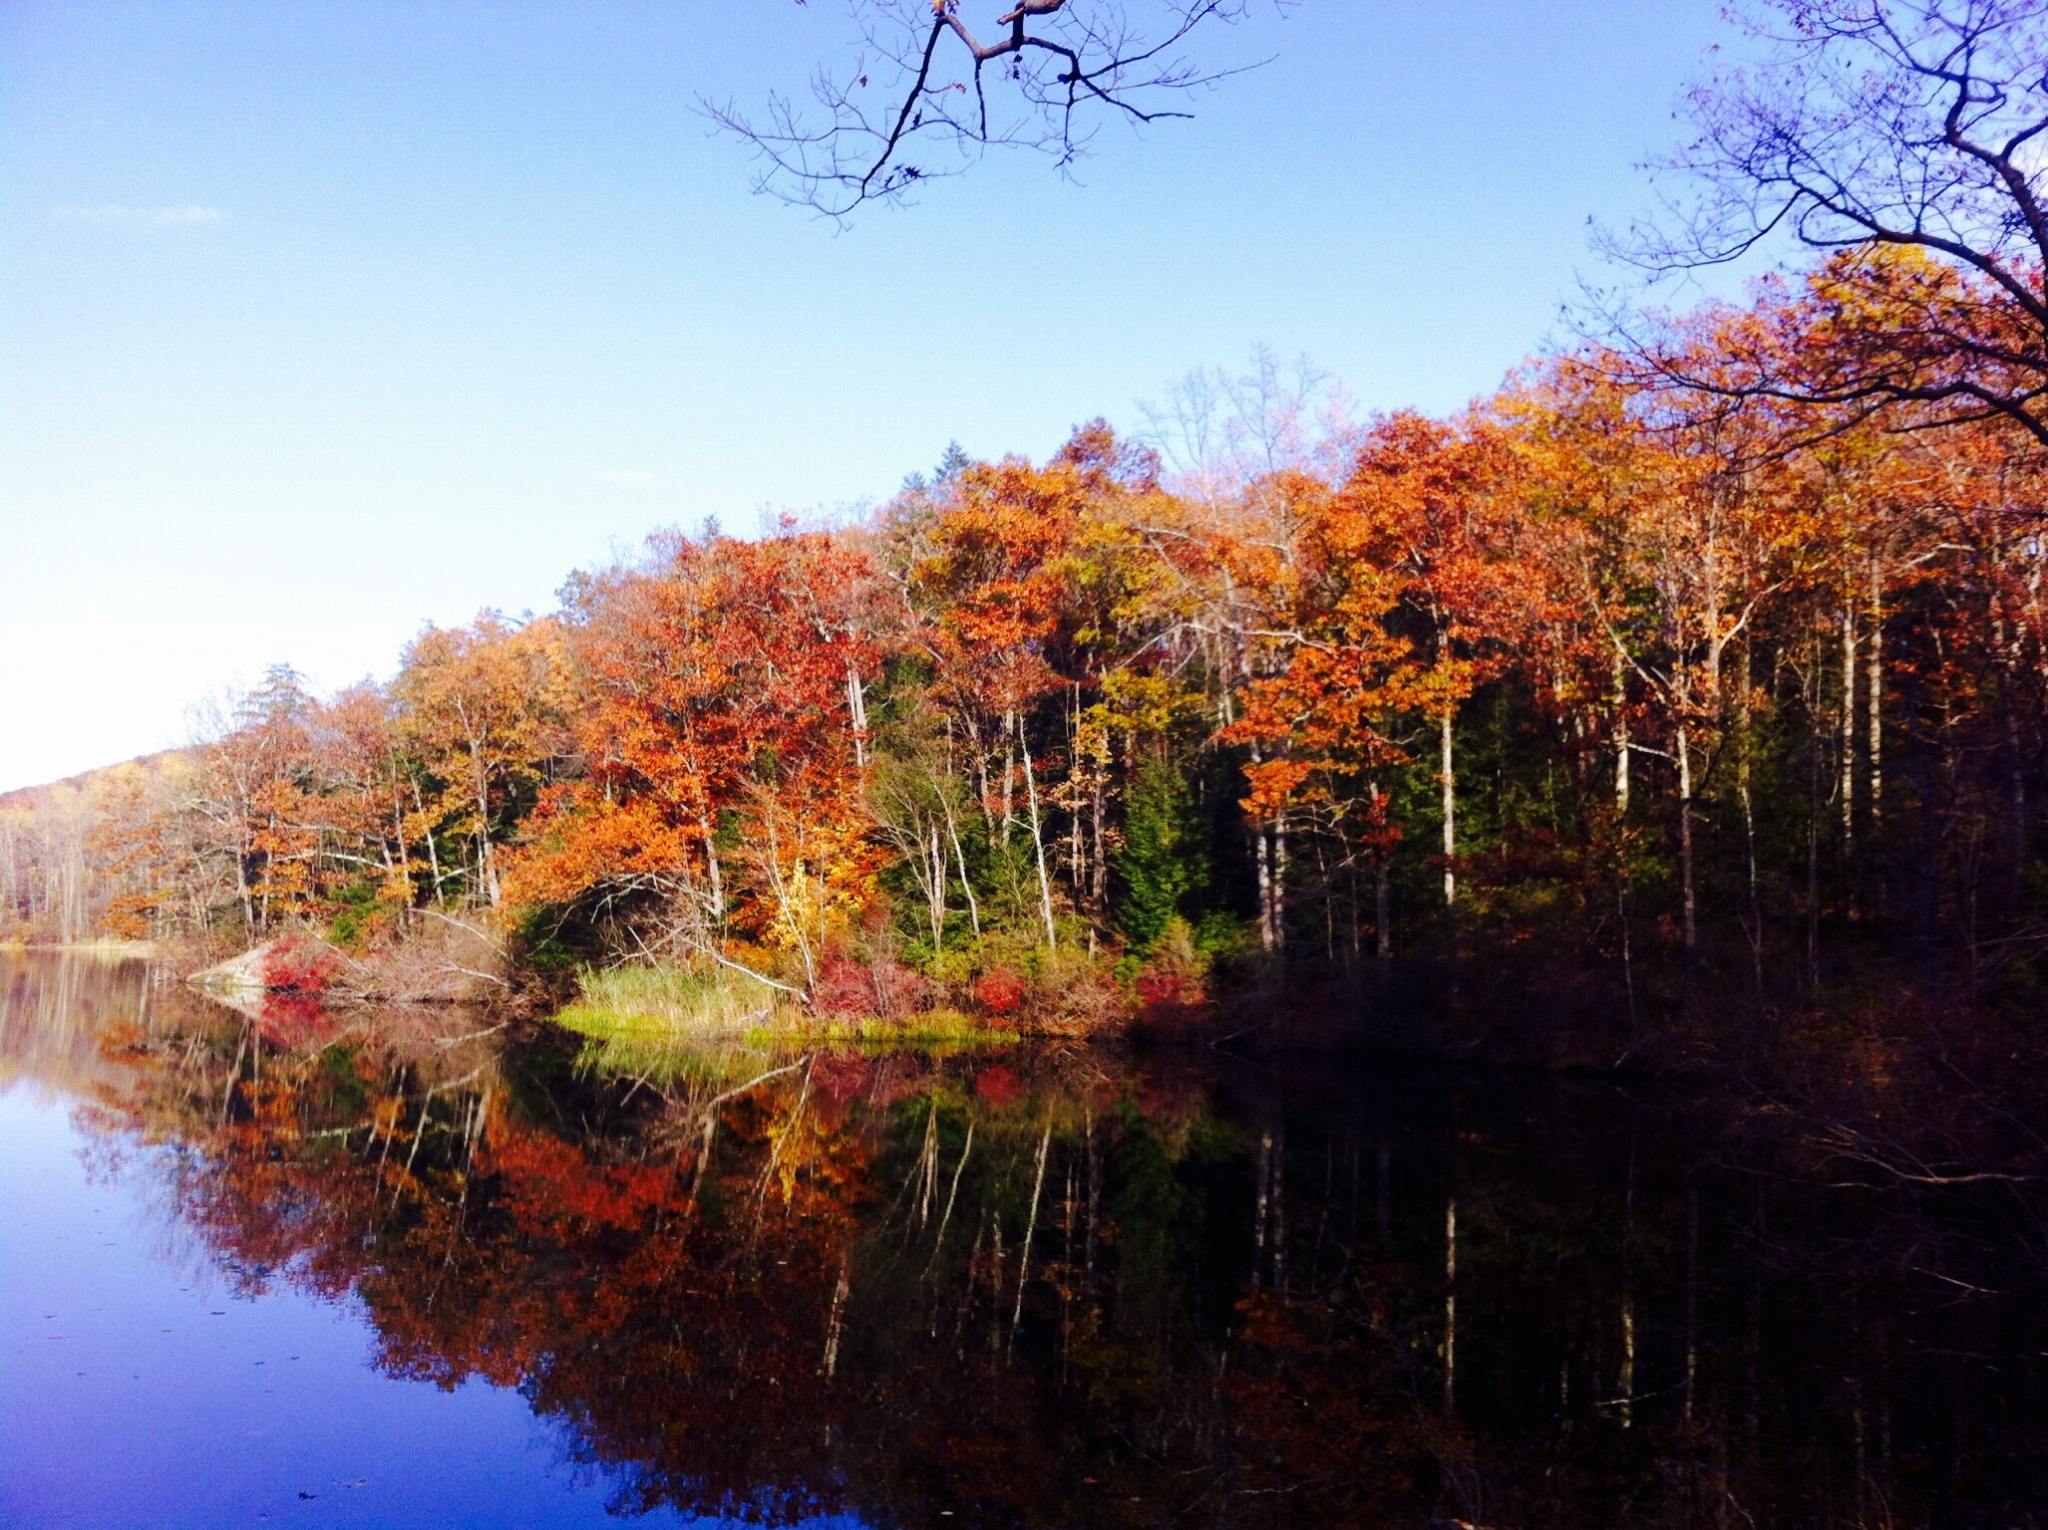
920,80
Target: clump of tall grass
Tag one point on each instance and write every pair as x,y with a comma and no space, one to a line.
668,1021
621,1001
672,1022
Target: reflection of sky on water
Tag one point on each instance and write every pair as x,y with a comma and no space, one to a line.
134,1391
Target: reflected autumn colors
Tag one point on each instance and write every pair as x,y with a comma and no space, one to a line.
1046,1285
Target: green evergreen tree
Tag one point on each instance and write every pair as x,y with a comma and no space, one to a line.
1162,860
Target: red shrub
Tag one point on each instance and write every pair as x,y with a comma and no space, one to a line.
842,990
1170,998
297,965
884,989
1000,992
900,991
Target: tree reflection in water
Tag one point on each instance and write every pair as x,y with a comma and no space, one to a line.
1060,1286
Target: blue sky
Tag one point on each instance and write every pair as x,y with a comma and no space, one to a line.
319,321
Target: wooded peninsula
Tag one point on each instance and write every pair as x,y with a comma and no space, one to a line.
1630,700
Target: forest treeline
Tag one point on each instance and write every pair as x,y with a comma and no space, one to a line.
1626,681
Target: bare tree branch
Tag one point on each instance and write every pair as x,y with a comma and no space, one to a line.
915,102
1901,141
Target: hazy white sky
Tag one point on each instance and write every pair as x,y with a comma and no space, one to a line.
319,321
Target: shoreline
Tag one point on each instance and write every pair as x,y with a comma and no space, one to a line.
138,949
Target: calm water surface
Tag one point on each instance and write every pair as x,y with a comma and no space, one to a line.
405,1269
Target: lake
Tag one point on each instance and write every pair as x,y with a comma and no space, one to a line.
413,1268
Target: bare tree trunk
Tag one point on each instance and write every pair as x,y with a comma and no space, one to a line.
1383,912
1621,744
1011,729
398,829
1742,775
1099,886
980,772
433,854
711,865
1848,728
1813,829
1623,752
1627,1400
1262,856
959,855
1077,855
1692,936
1875,699
1450,785
1265,888
857,712
1038,843
1451,1305
1382,920
1280,1206
242,888
483,827
1280,881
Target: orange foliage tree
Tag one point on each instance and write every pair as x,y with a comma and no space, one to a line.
722,762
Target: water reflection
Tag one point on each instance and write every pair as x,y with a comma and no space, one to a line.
1062,1286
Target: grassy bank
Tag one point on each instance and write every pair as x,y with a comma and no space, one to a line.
637,1001
669,1021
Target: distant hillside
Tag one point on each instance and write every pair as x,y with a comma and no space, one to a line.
33,797
60,871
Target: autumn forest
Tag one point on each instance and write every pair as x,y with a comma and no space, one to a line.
1640,698
1267,962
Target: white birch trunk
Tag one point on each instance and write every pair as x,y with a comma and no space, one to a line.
1685,838
1848,726
1874,700
1621,745
1038,843
857,712
1450,1306
1450,784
